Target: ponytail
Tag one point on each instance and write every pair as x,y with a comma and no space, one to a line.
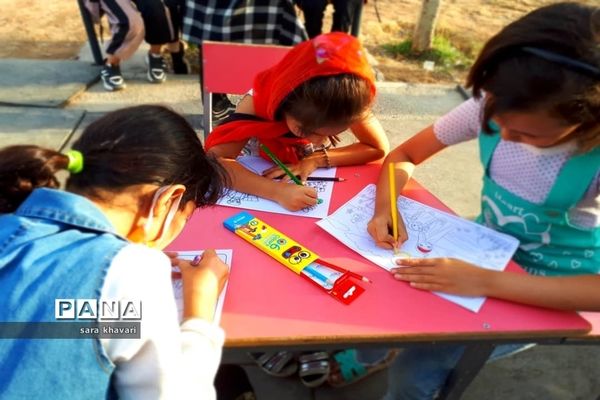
132,146
24,168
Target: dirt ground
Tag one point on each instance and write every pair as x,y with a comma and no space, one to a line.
42,29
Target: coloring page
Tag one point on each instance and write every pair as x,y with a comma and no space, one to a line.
225,256
431,233
257,165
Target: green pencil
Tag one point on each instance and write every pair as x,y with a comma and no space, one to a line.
285,169
281,165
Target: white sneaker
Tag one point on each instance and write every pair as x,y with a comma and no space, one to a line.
156,68
112,78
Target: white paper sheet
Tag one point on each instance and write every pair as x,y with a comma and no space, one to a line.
257,165
225,256
431,233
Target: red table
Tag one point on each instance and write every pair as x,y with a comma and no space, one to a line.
269,305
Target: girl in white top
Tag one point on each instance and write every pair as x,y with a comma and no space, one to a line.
536,116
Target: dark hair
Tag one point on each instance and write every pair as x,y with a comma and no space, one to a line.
518,79
327,101
136,145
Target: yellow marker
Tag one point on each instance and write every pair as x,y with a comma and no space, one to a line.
393,203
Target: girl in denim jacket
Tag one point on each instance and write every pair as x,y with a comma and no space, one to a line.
136,176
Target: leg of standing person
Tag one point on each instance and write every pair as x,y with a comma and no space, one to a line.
176,49
343,14
313,11
159,31
127,29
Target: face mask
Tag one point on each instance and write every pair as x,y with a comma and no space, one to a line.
150,219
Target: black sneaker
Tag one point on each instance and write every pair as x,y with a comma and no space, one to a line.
180,64
112,78
222,109
156,68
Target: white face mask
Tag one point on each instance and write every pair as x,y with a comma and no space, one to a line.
171,214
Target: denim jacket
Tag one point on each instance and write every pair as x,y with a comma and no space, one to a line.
56,245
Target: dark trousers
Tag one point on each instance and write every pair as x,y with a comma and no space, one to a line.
343,15
162,20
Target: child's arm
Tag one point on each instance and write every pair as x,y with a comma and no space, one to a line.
289,196
410,153
372,144
581,293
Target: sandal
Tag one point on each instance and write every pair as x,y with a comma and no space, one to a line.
346,369
279,364
314,369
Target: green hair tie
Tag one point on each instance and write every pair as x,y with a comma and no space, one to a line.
75,161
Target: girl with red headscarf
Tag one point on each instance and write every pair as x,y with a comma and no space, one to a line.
297,108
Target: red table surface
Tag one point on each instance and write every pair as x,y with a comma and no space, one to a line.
268,304
594,319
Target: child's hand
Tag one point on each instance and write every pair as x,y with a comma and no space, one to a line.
447,275
305,167
276,172
379,227
202,284
302,170
295,197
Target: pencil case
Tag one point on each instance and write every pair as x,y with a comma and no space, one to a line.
334,280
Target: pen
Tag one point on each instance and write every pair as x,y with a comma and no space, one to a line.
393,203
284,168
325,178
345,271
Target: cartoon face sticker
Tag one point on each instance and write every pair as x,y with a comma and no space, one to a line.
295,255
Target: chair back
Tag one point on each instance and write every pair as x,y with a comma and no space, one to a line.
231,68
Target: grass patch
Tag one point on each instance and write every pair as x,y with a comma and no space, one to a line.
442,52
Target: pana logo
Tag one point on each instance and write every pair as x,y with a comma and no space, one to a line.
92,309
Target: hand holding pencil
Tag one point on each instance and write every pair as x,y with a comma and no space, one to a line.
387,227
301,170
292,197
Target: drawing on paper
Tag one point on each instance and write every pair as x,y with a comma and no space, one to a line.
431,234
324,190
225,255
237,198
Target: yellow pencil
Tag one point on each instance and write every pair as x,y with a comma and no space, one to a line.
393,203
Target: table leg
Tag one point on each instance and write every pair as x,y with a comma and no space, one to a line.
466,370
91,33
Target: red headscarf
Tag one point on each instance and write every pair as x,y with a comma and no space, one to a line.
329,54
